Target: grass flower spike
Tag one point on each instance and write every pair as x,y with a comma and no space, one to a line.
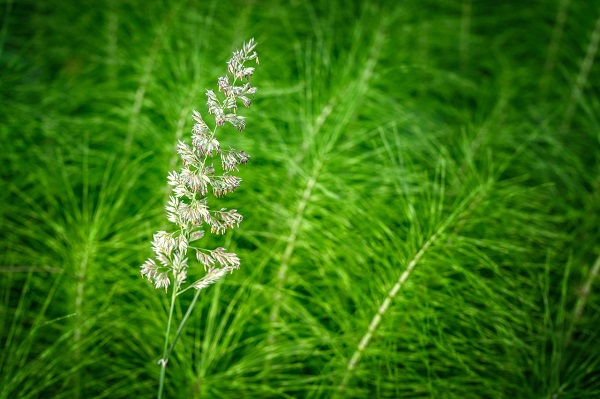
188,206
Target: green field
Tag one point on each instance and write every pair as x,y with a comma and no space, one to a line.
421,207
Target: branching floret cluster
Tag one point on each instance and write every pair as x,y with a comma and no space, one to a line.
188,206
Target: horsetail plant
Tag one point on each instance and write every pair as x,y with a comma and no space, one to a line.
188,207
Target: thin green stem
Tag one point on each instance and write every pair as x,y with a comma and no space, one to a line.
163,362
189,287
183,322
585,292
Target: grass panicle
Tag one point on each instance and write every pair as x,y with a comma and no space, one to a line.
188,207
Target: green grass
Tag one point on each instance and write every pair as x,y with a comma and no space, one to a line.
441,159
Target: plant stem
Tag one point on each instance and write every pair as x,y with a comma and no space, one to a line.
163,362
183,322
586,290
582,78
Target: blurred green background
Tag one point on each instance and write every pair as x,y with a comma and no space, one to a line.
449,146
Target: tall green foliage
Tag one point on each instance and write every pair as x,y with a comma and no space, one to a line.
421,210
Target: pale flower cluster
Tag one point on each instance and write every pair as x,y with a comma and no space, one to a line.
188,206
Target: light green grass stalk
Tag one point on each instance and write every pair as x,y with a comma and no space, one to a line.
582,76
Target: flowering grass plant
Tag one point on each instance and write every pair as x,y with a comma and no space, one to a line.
188,207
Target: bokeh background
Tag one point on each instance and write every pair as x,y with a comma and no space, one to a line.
449,148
